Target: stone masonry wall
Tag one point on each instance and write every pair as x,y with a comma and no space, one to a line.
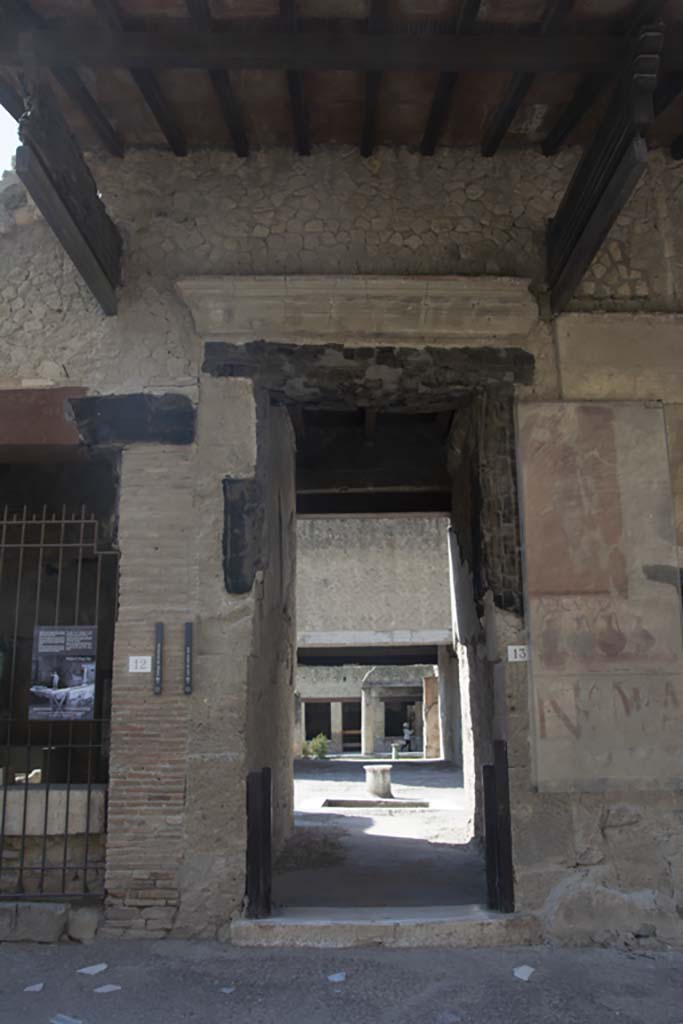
372,573
211,213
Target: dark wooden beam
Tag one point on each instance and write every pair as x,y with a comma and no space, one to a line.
519,85
222,86
373,79
143,77
10,99
404,655
51,166
23,15
322,48
55,211
441,103
606,174
677,148
297,98
592,87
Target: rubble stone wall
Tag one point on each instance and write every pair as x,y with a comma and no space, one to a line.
275,213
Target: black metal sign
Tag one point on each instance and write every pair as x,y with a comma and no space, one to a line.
158,657
187,682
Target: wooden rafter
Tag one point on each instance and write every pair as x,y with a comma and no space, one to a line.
52,168
441,103
22,14
373,79
297,98
593,86
323,46
519,85
222,86
144,78
606,174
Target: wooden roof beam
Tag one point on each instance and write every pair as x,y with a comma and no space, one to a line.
52,168
441,103
222,86
592,87
297,98
145,80
373,79
23,15
605,176
518,87
322,49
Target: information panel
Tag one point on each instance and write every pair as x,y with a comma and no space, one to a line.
63,676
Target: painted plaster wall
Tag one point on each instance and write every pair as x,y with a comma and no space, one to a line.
372,573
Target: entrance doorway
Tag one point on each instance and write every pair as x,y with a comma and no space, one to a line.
453,459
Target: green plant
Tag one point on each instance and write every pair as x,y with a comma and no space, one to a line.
319,746
305,750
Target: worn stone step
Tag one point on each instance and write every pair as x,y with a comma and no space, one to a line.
343,927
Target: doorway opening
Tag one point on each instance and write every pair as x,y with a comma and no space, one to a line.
377,673
395,434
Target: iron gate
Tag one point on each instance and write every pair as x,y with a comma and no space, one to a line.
54,701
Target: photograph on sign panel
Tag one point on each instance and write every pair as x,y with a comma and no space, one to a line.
63,676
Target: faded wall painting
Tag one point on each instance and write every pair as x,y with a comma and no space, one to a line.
603,596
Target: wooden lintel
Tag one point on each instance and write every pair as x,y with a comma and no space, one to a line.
69,232
322,47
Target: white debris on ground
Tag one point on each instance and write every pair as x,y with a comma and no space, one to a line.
228,990
104,990
93,969
336,978
35,988
524,972
62,1018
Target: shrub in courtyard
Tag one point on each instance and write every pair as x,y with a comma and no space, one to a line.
319,746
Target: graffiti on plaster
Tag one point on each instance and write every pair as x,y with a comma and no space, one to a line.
605,635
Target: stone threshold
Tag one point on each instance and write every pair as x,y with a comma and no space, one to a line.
458,927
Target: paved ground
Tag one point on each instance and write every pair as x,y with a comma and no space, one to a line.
375,856
173,982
